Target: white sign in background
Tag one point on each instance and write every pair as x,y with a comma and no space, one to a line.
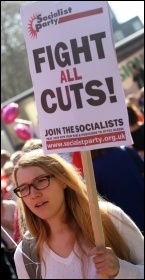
77,85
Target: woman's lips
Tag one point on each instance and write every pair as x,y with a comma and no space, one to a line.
40,204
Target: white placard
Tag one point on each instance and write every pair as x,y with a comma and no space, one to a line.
77,85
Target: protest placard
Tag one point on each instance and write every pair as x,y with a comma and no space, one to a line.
77,85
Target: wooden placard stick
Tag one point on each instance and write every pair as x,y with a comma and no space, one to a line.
93,201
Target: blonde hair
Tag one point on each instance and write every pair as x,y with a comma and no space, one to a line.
78,213
33,143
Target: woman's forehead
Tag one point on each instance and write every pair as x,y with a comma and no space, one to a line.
29,173
28,168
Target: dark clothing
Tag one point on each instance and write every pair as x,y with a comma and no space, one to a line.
6,266
139,78
119,180
138,138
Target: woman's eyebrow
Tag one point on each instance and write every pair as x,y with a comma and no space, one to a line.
42,175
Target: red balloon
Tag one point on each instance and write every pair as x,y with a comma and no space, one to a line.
9,113
23,131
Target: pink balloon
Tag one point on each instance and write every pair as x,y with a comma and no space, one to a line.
23,131
9,113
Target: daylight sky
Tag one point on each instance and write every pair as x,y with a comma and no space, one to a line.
125,10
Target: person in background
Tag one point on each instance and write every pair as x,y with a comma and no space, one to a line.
136,129
132,99
77,161
17,235
8,194
33,142
8,208
15,156
55,206
8,169
37,143
6,267
119,176
141,100
5,156
4,183
119,179
138,75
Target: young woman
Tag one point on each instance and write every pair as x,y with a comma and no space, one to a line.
54,203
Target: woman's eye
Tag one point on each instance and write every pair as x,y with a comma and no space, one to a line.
41,180
23,188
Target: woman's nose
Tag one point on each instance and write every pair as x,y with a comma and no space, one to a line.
34,192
